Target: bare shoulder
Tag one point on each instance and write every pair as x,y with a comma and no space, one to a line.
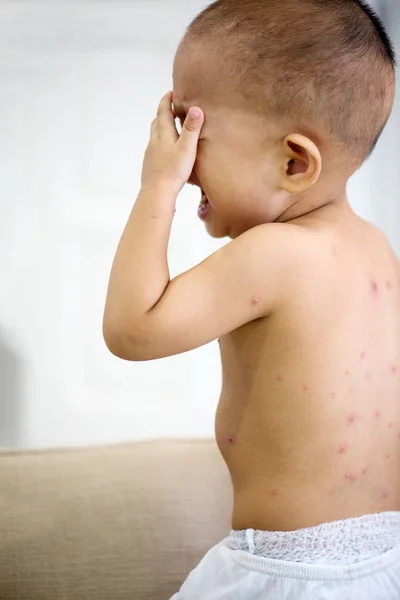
288,246
278,260
284,239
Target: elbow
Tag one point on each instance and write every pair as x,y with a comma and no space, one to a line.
124,348
114,344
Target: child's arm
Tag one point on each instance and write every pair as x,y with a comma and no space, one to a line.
147,316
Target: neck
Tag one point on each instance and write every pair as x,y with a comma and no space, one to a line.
310,206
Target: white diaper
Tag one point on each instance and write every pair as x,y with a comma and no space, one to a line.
353,559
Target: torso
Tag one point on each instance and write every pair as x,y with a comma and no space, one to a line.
309,416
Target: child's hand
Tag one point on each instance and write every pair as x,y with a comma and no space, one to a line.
170,158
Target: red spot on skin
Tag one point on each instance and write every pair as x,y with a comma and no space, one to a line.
364,471
333,395
385,494
231,440
393,369
274,493
255,301
374,288
342,449
280,378
351,419
390,424
306,388
351,476
377,414
362,355
347,373
367,375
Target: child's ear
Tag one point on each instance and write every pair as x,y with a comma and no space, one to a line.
302,164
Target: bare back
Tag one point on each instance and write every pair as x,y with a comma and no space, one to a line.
309,416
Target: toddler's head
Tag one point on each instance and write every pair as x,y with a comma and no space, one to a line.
295,93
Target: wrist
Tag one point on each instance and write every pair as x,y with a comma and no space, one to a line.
161,193
157,200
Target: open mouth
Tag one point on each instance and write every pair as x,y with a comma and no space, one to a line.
203,209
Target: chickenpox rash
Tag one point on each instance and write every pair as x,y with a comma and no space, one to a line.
362,355
342,449
385,494
377,414
351,477
333,394
374,289
347,373
255,301
390,424
393,369
280,378
306,387
351,419
274,493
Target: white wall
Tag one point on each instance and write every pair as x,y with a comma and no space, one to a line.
374,190
79,84
387,184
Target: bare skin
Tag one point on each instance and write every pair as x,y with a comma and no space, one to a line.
305,300
309,416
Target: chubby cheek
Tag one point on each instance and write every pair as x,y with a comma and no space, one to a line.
228,183
210,177
214,165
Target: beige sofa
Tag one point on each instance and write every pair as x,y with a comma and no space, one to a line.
112,523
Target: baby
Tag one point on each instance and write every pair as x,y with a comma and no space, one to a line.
280,101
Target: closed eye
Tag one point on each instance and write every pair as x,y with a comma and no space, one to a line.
179,111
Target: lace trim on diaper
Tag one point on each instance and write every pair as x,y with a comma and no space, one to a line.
340,542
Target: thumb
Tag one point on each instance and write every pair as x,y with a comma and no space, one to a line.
191,128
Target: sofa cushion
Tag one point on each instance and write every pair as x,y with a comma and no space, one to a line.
119,522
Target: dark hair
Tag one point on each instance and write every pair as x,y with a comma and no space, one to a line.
327,62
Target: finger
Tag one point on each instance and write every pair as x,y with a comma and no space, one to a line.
165,104
191,129
166,118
